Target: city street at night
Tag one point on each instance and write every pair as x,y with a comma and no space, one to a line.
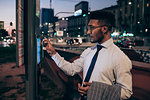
71,49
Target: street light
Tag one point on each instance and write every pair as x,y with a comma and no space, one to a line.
146,30
130,3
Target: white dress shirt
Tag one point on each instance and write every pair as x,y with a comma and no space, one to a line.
112,66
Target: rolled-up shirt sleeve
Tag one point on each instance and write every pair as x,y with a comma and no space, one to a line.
123,76
70,68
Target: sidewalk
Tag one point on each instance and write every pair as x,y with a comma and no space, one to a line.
12,82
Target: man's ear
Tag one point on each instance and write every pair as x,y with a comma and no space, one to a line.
105,29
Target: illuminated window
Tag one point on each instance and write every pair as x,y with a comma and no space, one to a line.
138,5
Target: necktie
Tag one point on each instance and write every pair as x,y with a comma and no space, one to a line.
90,70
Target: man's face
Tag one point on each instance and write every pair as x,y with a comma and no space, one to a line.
95,31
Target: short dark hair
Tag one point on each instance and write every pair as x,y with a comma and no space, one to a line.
107,17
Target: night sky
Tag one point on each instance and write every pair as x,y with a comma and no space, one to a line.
8,7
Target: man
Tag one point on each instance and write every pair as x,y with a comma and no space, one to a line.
111,66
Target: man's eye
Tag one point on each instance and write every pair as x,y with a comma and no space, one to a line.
92,27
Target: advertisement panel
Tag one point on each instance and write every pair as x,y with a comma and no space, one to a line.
59,33
38,50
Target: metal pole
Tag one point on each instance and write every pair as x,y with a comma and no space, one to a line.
30,49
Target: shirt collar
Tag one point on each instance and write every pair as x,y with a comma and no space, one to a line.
106,44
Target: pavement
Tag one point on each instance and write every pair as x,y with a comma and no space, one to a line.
12,82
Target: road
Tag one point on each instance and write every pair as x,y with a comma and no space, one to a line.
144,51
88,44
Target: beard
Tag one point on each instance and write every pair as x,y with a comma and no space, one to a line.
92,39
98,38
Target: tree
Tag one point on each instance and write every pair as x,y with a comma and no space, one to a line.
3,33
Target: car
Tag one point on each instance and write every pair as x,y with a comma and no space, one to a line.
60,40
74,41
70,42
125,43
9,40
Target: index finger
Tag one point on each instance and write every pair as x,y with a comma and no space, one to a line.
46,41
87,83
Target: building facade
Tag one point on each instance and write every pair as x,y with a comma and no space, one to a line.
61,26
46,21
77,24
134,17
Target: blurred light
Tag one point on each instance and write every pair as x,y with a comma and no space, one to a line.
147,4
119,41
88,12
124,34
84,15
37,14
42,32
64,29
78,27
66,18
55,33
125,31
146,30
63,18
130,3
115,34
40,25
130,34
138,22
130,46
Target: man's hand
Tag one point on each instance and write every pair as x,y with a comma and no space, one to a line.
83,90
50,49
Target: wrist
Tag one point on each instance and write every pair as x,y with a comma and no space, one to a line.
51,53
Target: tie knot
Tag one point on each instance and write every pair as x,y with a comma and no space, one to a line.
99,47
